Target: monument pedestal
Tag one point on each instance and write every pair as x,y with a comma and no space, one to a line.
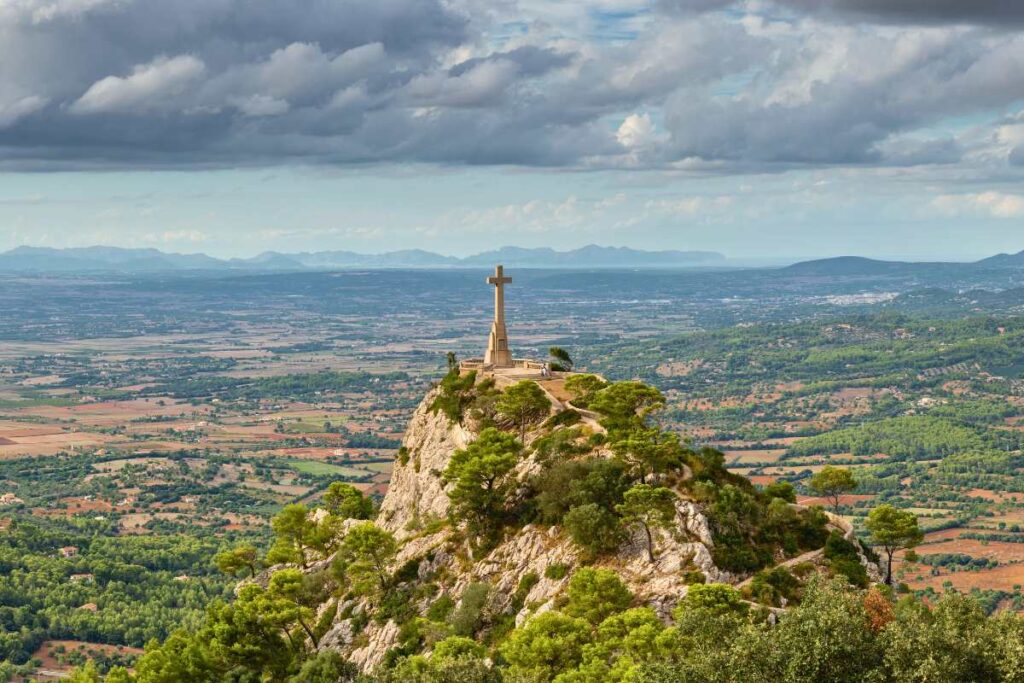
498,353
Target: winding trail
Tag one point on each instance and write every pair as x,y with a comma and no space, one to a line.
835,521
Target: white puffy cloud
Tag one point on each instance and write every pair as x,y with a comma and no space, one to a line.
636,131
155,85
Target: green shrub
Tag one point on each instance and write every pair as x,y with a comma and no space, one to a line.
594,529
396,604
573,483
547,645
556,571
526,584
441,608
468,617
772,585
694,576
838,547
564,418
455,395
782,490
853,570
596,594
711,597
408,571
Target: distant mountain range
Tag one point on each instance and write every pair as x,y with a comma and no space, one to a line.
85,259
44,259
860,266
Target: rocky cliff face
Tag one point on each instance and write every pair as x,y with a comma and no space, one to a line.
416,501
416,494
528,571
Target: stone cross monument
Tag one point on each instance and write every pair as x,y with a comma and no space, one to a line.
498,353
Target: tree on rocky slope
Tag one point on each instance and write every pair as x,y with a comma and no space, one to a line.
364,558
649,452
648,508
595,529
626,405
286,590
547,645
583,387
346,501
231,562
297,534
523,404
480,482
596,594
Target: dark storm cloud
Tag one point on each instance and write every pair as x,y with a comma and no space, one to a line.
990,12
531,60
194,83
993,12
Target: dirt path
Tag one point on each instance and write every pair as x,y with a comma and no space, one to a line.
835,521
806,557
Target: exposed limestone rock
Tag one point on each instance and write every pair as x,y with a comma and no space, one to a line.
339,636
532,550
416,493
379,638
693,522
420,546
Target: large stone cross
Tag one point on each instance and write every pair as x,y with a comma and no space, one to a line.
498,353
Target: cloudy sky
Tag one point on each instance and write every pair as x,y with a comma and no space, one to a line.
764,129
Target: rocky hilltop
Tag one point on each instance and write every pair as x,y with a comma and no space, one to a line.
523,568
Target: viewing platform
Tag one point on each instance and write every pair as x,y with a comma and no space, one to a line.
519,365
520,369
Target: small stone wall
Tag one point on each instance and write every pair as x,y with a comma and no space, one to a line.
517,364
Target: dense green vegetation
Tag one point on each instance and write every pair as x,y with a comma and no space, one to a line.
271,629
836,633
925,412
910,437
307,386
881,347
142,587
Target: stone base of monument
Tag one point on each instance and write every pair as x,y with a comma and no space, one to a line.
520,367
